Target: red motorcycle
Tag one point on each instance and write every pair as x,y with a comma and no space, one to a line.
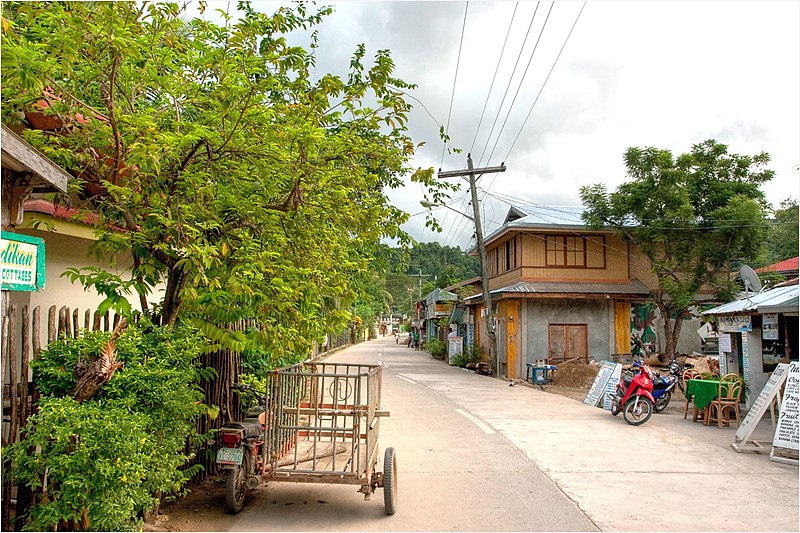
634,395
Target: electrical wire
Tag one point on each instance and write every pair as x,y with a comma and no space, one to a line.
455,78
519,87
508,86
497,68
545,81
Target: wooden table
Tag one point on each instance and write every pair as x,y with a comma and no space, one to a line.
702,392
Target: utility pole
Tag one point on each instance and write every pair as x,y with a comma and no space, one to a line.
476,218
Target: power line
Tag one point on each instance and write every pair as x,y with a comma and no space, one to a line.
545,81
497,68
508,86
521,81
455,78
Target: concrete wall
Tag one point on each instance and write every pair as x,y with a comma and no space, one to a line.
598,315
64,251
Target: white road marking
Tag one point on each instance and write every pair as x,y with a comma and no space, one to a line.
406,379
480,423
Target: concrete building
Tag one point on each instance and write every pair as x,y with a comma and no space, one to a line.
564,291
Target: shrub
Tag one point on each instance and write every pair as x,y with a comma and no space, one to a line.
472,355
437,348
110,458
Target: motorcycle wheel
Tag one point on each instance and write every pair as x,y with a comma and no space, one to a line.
663,401
615,410
236,486
637,413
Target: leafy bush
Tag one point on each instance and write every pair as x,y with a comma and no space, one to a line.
472,355
437,348
110,458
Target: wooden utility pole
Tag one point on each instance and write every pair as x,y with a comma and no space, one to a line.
476,218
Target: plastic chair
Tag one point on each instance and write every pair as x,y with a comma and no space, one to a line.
688,374
730,393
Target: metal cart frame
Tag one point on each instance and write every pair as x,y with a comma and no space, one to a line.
323,428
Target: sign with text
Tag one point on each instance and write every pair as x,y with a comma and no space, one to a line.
734,323
769,327
600,381
759,407
611,386
787,434
21,262
455,346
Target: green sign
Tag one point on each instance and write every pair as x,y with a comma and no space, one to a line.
21,262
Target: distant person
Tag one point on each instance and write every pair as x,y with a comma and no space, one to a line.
452,335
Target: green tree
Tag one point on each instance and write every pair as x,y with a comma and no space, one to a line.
782,239
252,187
691,216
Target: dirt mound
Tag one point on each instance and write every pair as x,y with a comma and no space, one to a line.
574,374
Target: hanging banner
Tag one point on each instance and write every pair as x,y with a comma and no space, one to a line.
21,262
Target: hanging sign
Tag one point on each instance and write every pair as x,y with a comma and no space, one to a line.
734,323
21,262
769,327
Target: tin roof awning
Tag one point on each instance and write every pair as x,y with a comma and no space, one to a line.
457,317
633,288
777,300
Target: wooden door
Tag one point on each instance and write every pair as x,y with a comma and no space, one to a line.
567,341
511,317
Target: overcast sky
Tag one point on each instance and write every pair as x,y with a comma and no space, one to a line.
664,74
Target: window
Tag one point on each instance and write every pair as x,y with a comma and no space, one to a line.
575,252
511,254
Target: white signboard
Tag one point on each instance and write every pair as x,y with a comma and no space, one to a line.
760,406
769,327
725,342
600,381
455,346
787,434
734,323
611,387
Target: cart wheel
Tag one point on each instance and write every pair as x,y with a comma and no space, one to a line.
390,481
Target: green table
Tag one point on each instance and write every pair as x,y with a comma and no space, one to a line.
703,391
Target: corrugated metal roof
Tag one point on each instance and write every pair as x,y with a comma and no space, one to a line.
632,288
770,301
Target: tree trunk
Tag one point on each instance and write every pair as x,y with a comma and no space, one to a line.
172,296
669,338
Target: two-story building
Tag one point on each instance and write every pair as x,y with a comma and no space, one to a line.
564,291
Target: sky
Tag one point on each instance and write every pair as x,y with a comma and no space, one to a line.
648,73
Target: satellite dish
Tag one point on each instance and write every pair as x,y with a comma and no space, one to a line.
750,279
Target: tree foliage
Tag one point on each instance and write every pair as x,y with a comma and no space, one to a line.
251,186
782,239
691,215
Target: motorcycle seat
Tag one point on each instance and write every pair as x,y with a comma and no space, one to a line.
250,428
627,378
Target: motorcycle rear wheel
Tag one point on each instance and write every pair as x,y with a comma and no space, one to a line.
638,412
663,401
236,486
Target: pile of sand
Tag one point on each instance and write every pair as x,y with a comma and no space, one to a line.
575,374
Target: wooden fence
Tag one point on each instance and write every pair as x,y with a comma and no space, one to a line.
19,394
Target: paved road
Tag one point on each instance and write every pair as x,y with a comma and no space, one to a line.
476,454
455,472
